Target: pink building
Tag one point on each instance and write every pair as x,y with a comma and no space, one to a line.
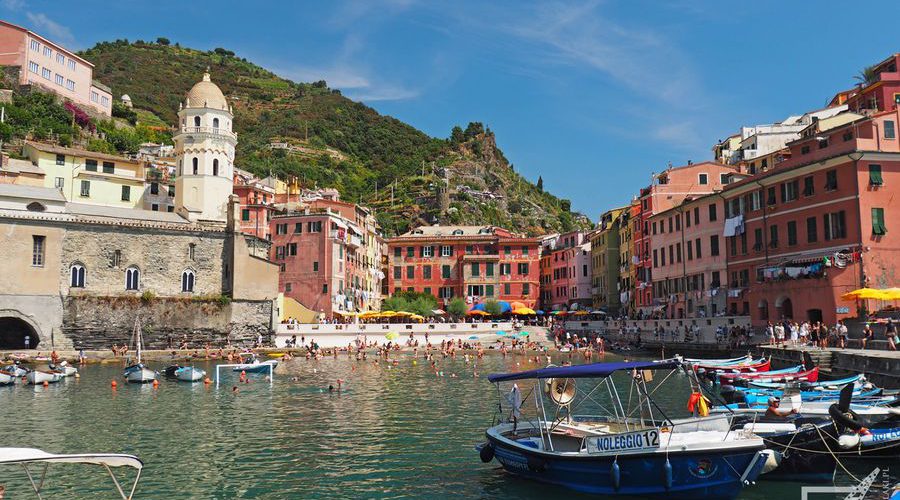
568,264
669,189
689,259
53,68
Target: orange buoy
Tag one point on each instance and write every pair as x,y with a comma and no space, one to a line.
207,381
155,383
46,384
114,384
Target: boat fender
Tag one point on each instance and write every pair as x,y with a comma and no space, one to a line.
615,474
847,441
536,464
667,471
843,419
773,460
486,453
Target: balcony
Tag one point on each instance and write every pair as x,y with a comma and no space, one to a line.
749,154
209,130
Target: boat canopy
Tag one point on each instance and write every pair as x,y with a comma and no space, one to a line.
593,370
21,455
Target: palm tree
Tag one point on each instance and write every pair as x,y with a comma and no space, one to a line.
866,76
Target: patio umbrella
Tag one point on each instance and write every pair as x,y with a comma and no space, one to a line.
517,305
890,294
581,312
477,312
416,317
504,307
539,312
524,311
598,311
559,313
473,337
862,293
478,307
523,334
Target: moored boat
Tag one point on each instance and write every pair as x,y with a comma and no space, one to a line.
7,378
135,370
252,364
619,455
16,370
185,373
27,457
37,377
744,379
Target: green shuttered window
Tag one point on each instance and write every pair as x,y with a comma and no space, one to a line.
878,227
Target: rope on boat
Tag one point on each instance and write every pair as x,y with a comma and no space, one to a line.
835,457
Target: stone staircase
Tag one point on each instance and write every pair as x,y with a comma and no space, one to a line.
822,359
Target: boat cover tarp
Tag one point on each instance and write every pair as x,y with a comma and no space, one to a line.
592,370
24,455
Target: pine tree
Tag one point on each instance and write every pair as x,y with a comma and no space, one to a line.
540,184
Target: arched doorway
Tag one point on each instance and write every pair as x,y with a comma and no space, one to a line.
785,308
15,333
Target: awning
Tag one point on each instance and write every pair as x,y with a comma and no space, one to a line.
593,370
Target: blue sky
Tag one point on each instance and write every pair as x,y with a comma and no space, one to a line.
593,96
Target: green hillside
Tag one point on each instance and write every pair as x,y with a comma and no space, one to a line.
408,176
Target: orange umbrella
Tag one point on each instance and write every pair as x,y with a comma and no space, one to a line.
517,305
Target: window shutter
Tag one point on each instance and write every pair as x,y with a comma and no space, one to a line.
875,175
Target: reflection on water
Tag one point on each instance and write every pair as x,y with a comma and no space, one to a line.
395,431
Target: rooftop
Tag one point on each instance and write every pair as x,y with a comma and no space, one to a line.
53,148
22,167
31,192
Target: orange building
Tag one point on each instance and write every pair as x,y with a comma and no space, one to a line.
817,225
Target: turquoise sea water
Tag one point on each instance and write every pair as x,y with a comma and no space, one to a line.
398,432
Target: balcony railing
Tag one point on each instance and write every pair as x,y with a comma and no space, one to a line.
208,130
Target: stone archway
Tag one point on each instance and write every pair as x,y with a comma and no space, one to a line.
17,332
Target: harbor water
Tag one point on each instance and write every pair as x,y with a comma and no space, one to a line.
392,432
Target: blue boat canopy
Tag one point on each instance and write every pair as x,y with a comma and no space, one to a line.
593,370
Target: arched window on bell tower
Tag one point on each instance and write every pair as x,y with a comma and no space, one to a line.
216,167
215,123
196,121
196,165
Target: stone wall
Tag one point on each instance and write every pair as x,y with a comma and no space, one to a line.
161,255
99,322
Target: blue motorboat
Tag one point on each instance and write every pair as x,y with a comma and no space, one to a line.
618,454
761,396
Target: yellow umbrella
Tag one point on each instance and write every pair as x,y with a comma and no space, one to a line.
862,293
517,305
580,312
890,294
416,317
403,313
391,335
387,314
524,311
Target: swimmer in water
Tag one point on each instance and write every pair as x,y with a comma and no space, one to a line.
330,388
234,389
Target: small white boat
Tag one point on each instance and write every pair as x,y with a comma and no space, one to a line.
185,373
65,369
16,370
251,364
37,377
26,457
7,378
136,372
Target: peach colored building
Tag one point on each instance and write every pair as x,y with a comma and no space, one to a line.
689,258
668,190
52,67
818,225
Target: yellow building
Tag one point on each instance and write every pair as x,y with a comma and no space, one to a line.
605,261
627,267
88,177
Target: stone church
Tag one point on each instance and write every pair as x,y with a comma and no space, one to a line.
76,275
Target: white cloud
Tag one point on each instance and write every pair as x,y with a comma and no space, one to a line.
13,4
44,25
353,83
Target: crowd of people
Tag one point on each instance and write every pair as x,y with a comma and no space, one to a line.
818,334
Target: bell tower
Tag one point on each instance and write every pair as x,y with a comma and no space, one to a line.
204,150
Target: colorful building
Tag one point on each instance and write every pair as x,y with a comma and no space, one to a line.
475,262
257,198
881,94
53,68
818,225
570,272
687,250
668,190
329,256
88,177
626,259
605,261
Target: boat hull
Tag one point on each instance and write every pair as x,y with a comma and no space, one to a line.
36,377
7,378
698,474
139,374
190,374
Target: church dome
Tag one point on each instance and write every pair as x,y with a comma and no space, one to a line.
207,94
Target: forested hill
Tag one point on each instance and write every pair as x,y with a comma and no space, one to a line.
409,177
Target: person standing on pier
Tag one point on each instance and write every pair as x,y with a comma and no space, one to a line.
890,331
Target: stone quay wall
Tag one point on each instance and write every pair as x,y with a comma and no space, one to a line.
100,322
